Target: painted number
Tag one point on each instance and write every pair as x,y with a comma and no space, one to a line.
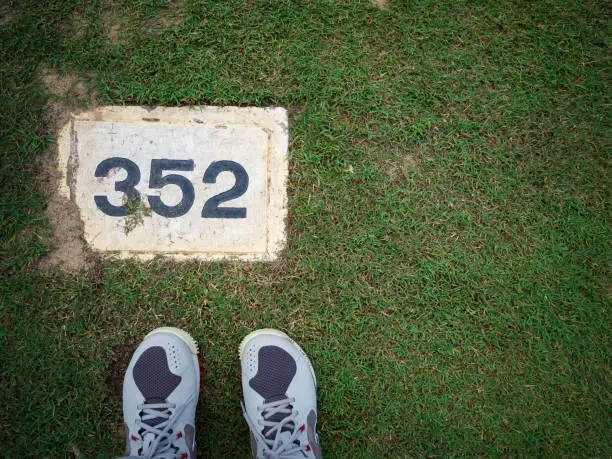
211,207
126,186
157,181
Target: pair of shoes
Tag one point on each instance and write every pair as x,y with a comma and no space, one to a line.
161,389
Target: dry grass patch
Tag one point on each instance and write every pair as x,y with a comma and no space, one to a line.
70,249
381,4
62,85
7,15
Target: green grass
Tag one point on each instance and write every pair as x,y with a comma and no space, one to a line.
448,262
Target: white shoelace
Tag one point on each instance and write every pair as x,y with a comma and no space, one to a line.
277,446
156,442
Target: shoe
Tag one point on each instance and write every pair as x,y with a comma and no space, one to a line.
280,396
160,393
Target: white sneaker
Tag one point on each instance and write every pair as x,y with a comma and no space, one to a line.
160,394
280,399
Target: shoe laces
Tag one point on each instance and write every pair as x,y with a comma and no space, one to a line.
270,426
156,443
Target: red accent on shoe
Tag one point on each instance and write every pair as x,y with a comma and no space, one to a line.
134,438
307,448
302,428
179,435
184,456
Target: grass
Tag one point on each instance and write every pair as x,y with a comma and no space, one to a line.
448,264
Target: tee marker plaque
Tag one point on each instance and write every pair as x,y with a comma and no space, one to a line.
187,182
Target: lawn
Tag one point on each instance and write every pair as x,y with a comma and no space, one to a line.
448,260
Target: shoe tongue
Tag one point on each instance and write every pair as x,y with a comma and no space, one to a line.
284,437
287,429
153,422
149,437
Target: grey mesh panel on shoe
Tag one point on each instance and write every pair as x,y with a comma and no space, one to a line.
189,434
154,379
275,371
127,438
253,445
311,422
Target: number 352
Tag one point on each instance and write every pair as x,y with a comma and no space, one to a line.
157,180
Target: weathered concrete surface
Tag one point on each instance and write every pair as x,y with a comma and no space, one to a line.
253,138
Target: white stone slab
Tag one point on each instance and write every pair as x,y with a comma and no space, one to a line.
240,149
